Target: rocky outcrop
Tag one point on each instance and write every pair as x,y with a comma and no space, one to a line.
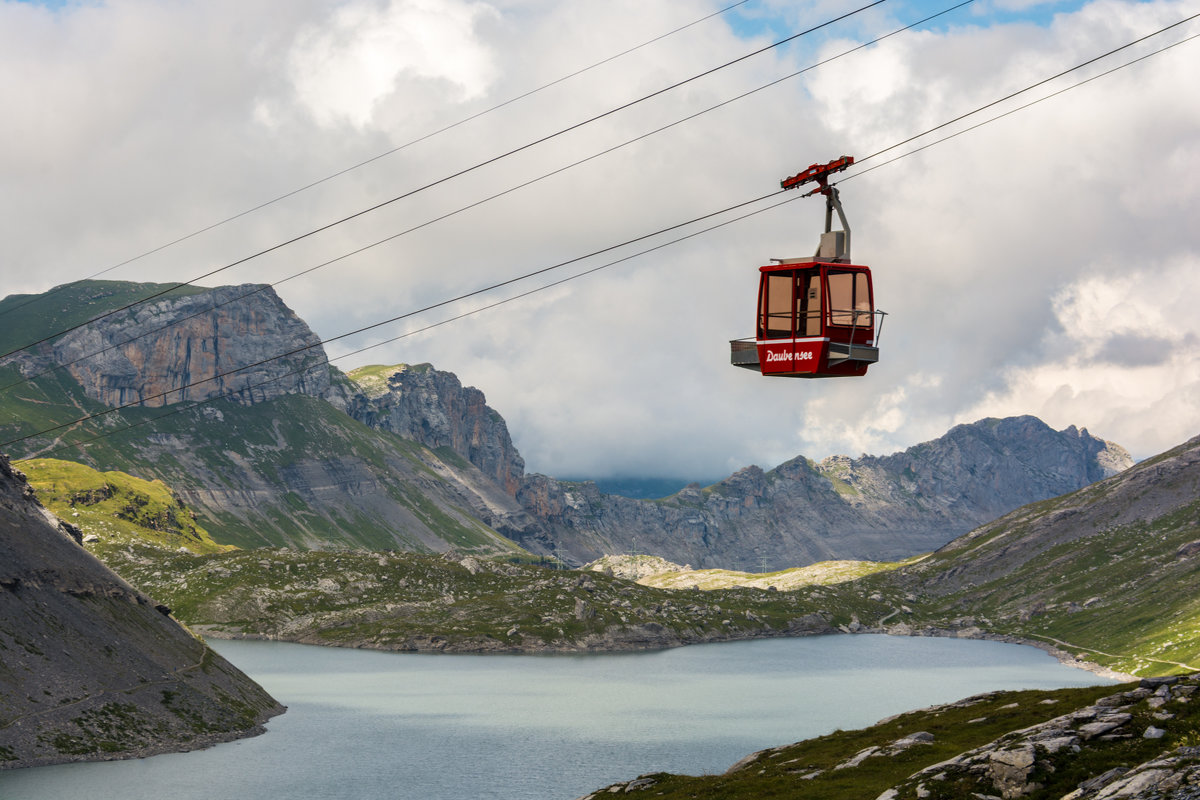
434,408
215,342
1133,744
92,668
1019,764
874,508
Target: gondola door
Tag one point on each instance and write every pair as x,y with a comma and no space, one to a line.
790,339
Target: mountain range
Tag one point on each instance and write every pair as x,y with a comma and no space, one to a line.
288,451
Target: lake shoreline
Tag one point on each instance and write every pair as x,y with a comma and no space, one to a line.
363,723
1062,656
643,643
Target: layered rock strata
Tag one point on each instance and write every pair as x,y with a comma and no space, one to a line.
240,342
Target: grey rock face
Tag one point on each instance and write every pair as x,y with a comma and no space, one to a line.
434,408
1141,495
877,508
223,341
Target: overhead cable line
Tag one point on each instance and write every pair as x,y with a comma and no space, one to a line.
1014,110
1028,88
306,348
492,287
327,360
375,158
261,288
454,175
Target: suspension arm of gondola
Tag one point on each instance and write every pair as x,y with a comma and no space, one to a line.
832,203
819,173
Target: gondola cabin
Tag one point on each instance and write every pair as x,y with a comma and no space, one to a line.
816,316
815,320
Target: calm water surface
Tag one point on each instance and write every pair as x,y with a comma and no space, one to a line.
363,725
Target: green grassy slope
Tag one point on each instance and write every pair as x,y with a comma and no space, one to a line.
1111,571
117,509
373,378
294,471
411,601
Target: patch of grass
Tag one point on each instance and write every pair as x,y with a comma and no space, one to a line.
115,506
109,728
373,378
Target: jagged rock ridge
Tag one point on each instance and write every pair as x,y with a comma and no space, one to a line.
875,508
92,668
434,408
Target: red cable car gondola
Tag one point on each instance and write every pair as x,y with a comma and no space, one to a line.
816,316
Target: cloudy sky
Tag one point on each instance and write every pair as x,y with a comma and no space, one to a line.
1047,263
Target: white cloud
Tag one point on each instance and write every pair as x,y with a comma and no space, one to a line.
343,67
1124,359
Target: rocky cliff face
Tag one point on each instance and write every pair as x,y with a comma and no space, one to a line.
92,668
876,508
435,409
194,347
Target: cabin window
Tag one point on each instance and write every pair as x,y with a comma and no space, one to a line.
849,299
776,304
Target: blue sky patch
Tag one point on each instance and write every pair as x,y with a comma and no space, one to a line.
763,20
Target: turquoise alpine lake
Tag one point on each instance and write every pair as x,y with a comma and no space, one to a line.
365,725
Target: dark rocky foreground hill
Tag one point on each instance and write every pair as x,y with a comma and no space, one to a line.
91,668
291,452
